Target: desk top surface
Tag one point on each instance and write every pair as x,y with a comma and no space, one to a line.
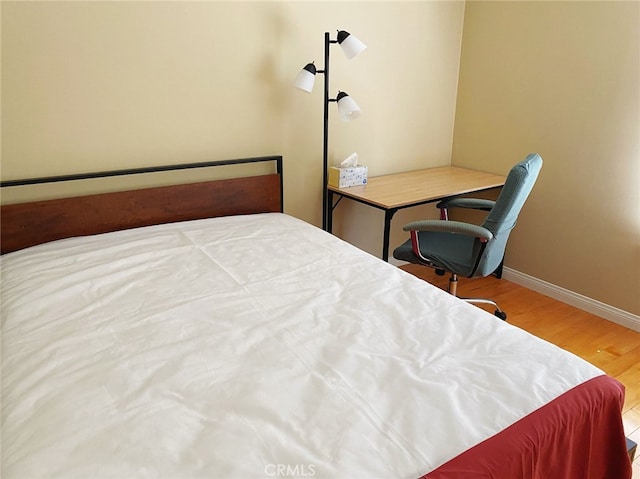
419,186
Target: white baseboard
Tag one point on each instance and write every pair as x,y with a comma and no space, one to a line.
611,313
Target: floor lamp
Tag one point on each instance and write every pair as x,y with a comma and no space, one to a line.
347,107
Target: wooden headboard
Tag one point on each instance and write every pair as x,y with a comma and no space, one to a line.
28,224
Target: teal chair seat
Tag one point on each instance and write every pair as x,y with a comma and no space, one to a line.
446,251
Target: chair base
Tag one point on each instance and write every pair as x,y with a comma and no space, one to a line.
453,288
498,312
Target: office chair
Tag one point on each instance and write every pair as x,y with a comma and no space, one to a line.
466,249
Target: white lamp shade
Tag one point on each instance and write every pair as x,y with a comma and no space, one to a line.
347,107
351,45
306,78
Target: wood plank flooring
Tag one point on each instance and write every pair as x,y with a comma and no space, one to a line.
612,348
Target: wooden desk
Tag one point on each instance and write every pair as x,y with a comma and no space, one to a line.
403,190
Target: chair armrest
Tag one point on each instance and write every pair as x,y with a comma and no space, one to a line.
450,227
470,203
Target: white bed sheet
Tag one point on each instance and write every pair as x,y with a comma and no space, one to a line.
250,346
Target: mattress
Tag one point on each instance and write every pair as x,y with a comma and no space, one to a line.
261,346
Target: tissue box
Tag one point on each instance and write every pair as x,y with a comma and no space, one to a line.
345,177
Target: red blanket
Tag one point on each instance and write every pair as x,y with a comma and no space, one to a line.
579,435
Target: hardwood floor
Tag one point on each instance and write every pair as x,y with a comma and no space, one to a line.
612,348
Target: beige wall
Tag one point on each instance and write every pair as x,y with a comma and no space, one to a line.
95,85
562,79
99,85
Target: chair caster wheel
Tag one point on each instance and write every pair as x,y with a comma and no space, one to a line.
501,314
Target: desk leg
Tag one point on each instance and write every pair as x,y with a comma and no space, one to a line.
498,271
388,215
329,207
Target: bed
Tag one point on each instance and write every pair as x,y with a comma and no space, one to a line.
223,338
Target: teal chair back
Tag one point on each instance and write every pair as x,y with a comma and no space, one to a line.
504,213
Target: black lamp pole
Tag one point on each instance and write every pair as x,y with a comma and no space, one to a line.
325,139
